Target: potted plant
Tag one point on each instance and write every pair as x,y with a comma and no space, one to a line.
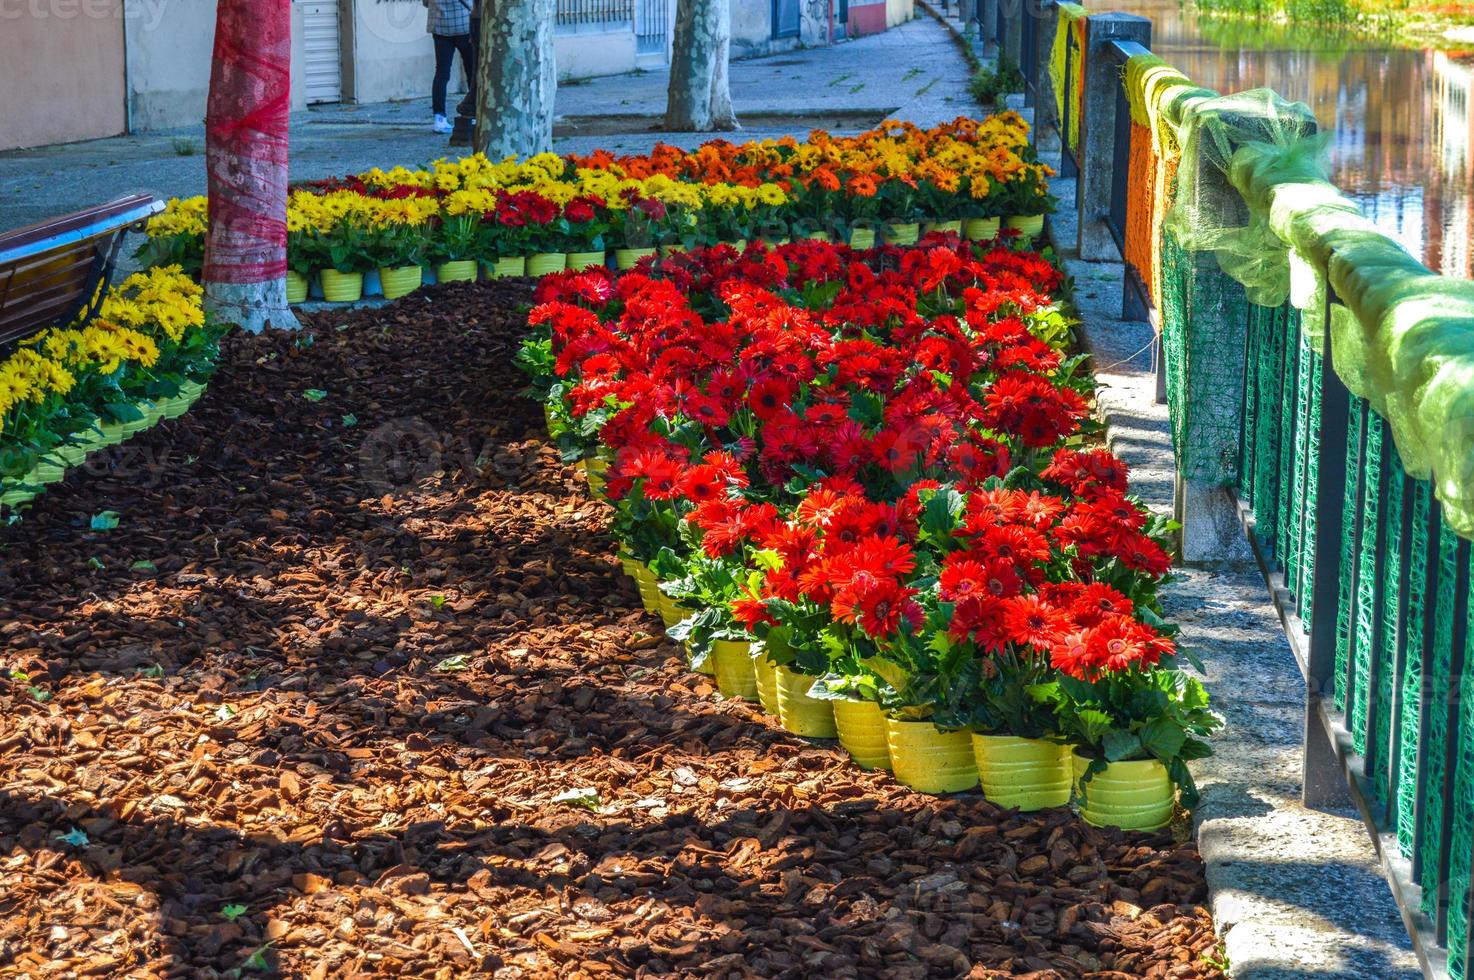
715,641
399,250
1026,199
1136,721
586,224
453,247
635,229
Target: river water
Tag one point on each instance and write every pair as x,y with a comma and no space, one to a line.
1400,116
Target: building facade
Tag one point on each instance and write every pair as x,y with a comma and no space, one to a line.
84,69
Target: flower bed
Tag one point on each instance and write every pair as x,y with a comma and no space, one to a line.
862,484
64,393
469,217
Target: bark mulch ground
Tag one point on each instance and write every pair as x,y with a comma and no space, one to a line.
355,687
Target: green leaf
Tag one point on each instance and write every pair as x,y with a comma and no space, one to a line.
232,912
40,694
350,420
452,664
1163,738
314,394
1120,746
143,566
438,601
75,838
105,521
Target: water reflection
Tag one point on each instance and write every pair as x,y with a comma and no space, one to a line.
1400,116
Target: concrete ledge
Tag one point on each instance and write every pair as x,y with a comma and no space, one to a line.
1295,892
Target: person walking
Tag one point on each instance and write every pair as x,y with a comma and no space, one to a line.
449,24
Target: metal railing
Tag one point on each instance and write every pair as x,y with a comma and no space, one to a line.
652,27
1371,585
590,13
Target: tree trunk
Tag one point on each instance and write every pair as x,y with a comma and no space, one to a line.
246,161
699,99
517,80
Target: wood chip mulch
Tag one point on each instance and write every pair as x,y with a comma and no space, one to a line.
309,708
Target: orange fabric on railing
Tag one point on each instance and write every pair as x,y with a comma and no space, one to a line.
1141,183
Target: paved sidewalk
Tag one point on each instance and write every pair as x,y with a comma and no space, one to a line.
910,72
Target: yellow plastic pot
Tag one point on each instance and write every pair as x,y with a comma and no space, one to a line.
862,238
1134,795
546,263
649,588
676,249
1027,773
595,472
767,683
630,566
980,229
1029,226
799,713
902,233
582,260
775,242
296,287
928,759
731,661
548,417
706,669
739,244
401,281
342,287
512,266
818,236
625,258
462,270
861,727
671,611
955,227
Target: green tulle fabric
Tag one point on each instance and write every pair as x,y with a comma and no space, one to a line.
1252,189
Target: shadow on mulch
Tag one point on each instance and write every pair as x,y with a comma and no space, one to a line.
318,694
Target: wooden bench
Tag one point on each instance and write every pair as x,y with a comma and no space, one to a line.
55,273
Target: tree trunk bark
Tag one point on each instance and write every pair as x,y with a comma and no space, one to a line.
246,162
699,98
517,78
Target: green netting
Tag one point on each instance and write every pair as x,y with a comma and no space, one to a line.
1368,570
1412,675
1392,616
1289,429
1247,438
1463,824
1343,587
1228,141
1435,746
1251,188
1312,493
1295,552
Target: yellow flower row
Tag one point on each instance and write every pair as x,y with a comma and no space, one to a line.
162,300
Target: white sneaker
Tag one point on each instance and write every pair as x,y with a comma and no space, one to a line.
442,125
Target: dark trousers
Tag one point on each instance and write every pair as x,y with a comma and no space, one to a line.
467,107
445,51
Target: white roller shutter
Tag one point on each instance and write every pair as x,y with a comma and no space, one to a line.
322,44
